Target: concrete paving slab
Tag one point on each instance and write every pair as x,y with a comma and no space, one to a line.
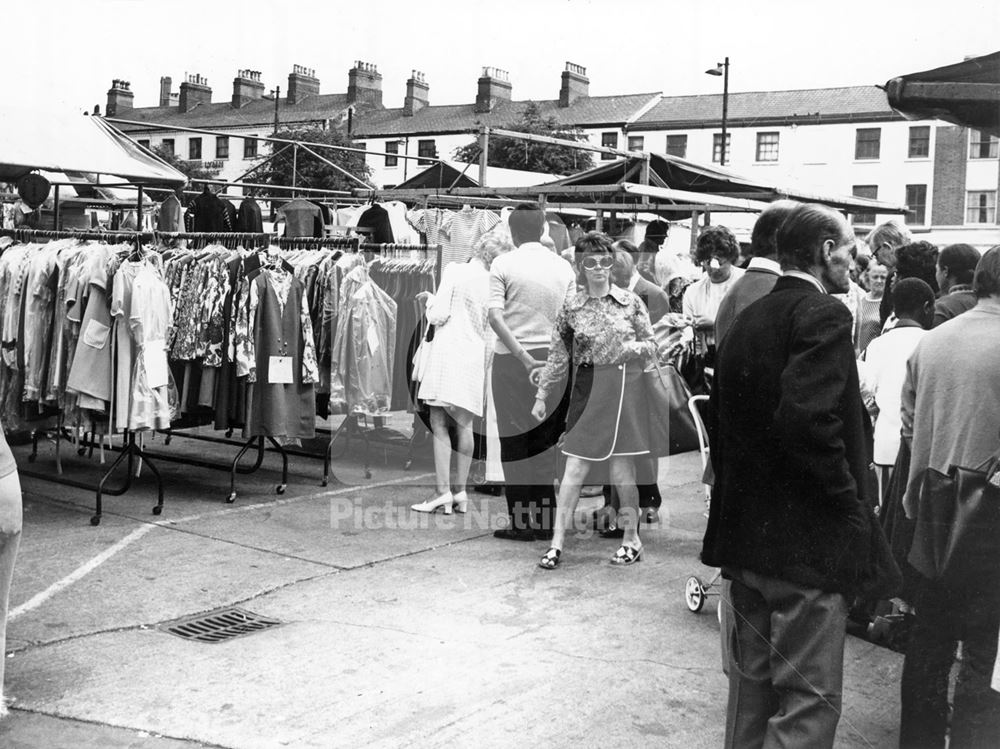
397,634
25,730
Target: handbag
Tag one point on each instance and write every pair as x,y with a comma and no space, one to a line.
671,426
957,526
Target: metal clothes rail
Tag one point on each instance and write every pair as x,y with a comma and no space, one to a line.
131,454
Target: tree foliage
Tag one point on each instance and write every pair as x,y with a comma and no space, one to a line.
190,169
513,153
311,171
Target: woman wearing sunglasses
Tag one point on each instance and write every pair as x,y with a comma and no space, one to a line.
607,330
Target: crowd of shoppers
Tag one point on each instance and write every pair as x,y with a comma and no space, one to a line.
830,366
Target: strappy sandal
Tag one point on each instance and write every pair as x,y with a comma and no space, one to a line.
550,560
626,555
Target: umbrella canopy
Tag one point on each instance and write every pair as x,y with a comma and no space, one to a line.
70,142
965,93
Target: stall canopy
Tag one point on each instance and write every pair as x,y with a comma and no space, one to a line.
966,93
447,174
668,185
688,178
33,139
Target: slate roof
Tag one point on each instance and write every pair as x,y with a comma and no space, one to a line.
850,103
587,111
258,113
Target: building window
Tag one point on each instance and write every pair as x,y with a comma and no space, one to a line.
982,146
916,203
981,207
426,150
194,149
168,146
391,146
609,140
144,143
767,146
865,191
222,147
636,142
920,142
677,145
250,148
868,143
717,146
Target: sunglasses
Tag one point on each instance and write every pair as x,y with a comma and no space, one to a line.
593,262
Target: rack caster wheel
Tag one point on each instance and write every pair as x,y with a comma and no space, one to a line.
166,440
158,510
81,451
324,482
694,594
280,489
368,474
231,498
95,520
32,458
407,464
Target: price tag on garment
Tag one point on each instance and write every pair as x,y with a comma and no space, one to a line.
154,357
373,343
279,370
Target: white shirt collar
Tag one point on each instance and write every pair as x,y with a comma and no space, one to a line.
764,263
633,281
805,277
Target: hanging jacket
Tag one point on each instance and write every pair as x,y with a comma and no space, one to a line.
248,217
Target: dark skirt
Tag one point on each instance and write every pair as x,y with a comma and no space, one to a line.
607,414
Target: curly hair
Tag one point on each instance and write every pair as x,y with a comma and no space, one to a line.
918,260
717,241
491,245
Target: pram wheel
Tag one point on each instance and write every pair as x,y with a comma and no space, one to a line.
694,594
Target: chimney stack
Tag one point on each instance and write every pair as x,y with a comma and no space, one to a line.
417,94
194,91
247,87
120,97
166,83
575,84
364,84
302,82
494,84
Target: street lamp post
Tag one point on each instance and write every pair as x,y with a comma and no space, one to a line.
722,68
277,99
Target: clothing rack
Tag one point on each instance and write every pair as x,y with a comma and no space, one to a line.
354,424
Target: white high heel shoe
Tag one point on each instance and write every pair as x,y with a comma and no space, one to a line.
461,502
445,501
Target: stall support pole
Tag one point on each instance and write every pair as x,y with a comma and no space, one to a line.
484,154
695,215
55,209
295,166
138,210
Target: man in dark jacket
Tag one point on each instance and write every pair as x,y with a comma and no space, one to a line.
791,445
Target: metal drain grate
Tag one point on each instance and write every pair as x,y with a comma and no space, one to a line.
219,626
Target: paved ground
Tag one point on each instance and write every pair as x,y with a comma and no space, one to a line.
398,630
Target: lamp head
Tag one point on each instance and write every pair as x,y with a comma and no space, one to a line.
717,70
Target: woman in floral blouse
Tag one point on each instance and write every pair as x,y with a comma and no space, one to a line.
607,329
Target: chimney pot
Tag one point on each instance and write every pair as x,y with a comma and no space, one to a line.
120,97
417,94
194,91
575,84
364,84
494,85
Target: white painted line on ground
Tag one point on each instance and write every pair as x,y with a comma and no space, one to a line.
85,569
79,572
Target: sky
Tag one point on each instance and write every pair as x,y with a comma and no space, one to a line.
64,53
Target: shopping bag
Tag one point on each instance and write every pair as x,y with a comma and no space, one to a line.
958,523
671,426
